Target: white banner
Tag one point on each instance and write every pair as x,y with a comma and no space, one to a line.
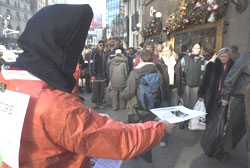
13,106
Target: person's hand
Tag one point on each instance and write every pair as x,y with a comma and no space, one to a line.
92,78
168,127
201,99
224,102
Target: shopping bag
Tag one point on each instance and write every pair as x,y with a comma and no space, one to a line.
214,135
198,123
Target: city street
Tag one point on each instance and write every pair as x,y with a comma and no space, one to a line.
183,147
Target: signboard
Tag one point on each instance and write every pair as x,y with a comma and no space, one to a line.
92,25
13,106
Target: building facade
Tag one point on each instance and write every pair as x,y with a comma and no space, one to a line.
14,16
190,22
114,21
133,19
38,4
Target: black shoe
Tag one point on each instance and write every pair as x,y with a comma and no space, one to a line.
147,157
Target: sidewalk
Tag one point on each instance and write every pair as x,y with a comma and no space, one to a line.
183,147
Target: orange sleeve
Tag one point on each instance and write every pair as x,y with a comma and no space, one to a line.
93,135
77,77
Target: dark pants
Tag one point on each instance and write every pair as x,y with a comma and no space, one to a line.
133,118
236,128
98,92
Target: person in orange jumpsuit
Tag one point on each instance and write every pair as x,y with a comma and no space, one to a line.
59,131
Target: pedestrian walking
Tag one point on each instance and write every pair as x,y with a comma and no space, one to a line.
118,74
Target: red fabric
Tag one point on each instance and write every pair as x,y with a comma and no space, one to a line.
137,59
225,67
59,131
14,68
77,77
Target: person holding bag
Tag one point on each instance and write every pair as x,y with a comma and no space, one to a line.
210,92
213,81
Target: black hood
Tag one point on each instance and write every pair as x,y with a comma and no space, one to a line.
52,43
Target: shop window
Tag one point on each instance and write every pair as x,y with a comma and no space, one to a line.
206,37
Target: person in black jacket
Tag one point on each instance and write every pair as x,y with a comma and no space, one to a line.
99,74
213,80
233,94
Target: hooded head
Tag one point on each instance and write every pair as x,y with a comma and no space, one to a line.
52,43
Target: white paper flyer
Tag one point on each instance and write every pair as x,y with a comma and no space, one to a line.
176,114
13,106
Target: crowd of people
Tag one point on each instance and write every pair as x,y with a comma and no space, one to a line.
60,131
187,77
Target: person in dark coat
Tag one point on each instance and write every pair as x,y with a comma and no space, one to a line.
99,74
213,80
233,94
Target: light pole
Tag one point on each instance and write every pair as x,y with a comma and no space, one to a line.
6,30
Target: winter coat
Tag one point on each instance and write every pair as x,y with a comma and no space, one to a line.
163,69
193,67
118,72
130,61
98,64
131,92
213,75
238,78
60,131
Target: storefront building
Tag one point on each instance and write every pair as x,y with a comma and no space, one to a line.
115,20
213,23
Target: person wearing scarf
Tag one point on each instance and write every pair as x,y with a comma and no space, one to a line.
170,68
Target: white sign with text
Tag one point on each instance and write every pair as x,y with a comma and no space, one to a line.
13,107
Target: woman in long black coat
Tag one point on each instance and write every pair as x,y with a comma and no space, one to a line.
213,80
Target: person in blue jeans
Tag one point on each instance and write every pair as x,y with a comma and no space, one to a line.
170,68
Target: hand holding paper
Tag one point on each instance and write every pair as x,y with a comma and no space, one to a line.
168,127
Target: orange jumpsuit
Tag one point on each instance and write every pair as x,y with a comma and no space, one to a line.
59,131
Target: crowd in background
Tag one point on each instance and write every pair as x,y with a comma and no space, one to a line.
58,130
194,74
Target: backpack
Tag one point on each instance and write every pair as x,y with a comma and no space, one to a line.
150,92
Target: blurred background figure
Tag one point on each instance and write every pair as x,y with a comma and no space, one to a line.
235,53
131,56
85,76
184,51
158,52
118,74
150,47
193,66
